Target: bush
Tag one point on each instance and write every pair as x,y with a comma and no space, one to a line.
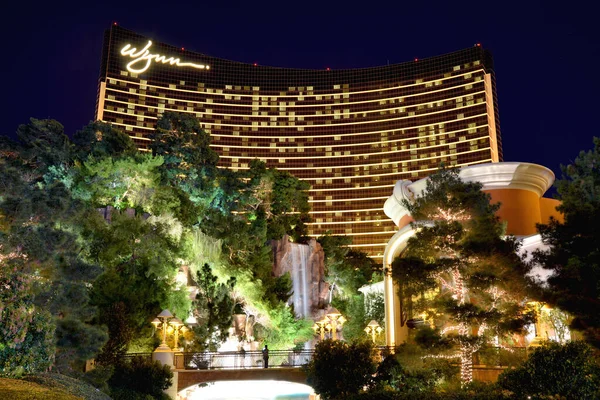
554,369
392,376
34,353
26,333
474,391
339,370
423,373
98,377
141,378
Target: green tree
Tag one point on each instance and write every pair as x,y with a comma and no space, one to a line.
118,182
354,310
346,270
554,369
339,370
43,143
213,309
359,310
286,208
40,220
573,257
100,140
468,279
189,162
247,210
283,330
89,269
140,260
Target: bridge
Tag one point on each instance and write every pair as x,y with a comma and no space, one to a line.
190,369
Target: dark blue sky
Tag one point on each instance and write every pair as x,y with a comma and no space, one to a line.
546,54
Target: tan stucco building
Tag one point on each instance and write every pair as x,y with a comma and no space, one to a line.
519,187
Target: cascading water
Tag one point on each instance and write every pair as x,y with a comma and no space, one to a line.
301,276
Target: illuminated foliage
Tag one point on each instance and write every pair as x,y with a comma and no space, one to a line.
346,270
459,273
120,183
189,162
359,310
140,261
286,209
213,309
283,330
105,230
40,222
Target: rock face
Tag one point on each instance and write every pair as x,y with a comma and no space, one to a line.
306,265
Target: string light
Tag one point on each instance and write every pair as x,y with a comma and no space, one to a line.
442,356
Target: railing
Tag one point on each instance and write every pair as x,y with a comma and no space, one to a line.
129,356
239,360
488,356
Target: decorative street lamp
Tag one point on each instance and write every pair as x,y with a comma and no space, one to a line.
163,318
336,319
321,326
373,328
176,324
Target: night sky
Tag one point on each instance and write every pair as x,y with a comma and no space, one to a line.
545,54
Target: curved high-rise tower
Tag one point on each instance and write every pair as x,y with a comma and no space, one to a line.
350,133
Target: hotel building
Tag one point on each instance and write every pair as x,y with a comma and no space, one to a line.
350,133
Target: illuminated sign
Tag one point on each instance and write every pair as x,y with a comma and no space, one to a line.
143,58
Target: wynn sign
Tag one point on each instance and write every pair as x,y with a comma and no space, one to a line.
143,58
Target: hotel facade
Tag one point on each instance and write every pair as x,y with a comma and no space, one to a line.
352,134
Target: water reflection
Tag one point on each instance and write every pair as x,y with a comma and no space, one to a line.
249,390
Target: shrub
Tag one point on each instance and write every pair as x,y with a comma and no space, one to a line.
473,391
26,333
554,369
33,351
423,372
98,377
141,378
391,375
339,370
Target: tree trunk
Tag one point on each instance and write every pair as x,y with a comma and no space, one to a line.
466,365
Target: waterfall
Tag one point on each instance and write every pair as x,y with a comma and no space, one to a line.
300,274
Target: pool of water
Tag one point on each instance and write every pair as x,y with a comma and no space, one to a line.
248,390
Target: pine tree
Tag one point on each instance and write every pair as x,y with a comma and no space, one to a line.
459,271
213,309
574,253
